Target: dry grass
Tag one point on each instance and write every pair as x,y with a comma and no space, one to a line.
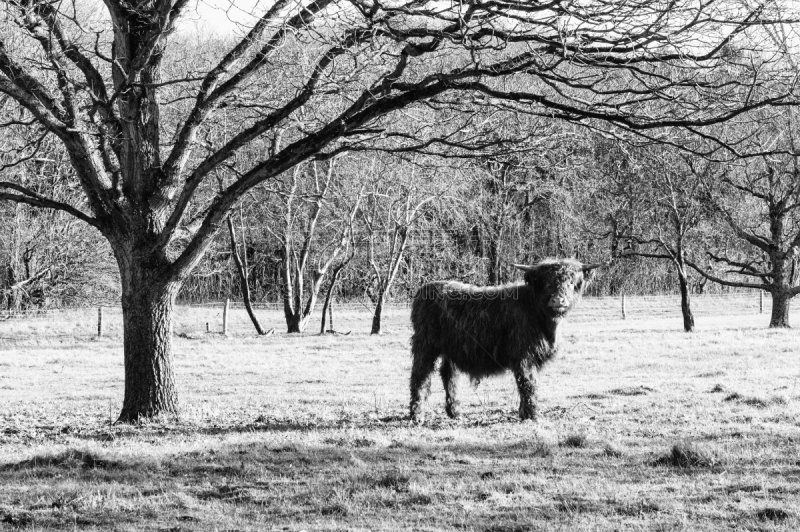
309,433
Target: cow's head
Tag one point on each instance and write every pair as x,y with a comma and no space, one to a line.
558,283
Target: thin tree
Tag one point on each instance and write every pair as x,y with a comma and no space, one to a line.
348,242
242,271
389,218
304,200
325,76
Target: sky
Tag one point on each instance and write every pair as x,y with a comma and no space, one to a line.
221,16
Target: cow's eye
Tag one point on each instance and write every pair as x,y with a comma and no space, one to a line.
577,286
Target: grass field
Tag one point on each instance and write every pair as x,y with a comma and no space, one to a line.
643,427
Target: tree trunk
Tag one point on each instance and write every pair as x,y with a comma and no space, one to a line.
243,279
780,309
494,263
376,318
293,323
147,307
326,307
686,309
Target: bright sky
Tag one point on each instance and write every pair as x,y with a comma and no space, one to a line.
222,16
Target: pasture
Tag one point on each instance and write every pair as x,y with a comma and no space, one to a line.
642,427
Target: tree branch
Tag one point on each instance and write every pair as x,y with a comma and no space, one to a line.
30,197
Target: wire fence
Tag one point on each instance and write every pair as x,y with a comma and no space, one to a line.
212,317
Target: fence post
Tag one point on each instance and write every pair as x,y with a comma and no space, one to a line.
624,310
225,316
208,327
99,321
761,302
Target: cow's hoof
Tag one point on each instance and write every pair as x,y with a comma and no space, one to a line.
417,417
452,412
527,415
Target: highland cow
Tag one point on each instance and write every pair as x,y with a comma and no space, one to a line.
485,331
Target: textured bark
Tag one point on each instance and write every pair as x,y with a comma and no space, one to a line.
782,277
327,311
493,264
686,307
296,314
376,318
293,324
147,307
780,309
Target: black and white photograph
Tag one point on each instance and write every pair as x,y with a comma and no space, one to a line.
399,265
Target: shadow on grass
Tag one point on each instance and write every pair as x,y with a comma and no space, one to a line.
337,479
435,421
69,459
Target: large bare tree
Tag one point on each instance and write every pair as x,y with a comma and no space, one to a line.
313,78
759,200
666,212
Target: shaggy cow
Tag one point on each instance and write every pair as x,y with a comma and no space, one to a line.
484,331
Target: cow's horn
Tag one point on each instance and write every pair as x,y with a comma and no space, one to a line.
525,267
590,267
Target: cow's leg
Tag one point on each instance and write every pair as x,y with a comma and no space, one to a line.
421,369
449,380
526,377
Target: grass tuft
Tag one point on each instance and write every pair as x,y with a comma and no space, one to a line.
611,450
686,455
637,508
632,390
772,514
755,402
718,388
575,441
19,519
335,510
395,481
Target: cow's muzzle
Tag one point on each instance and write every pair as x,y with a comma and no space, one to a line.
558,304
